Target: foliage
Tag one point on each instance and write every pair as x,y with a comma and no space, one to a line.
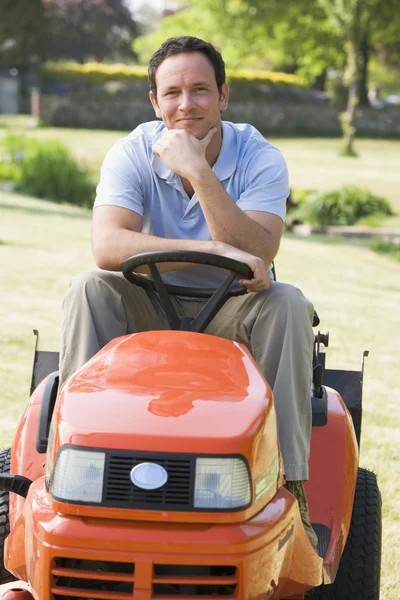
308,37
98,73
392,248
45,169
284,36
21,32
87,29
385,77
91,72
343,206
377,219
9,171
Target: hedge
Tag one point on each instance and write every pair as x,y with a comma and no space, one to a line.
99,73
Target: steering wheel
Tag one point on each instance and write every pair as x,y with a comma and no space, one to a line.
216,297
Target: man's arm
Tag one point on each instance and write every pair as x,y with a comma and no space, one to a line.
255,232
116,235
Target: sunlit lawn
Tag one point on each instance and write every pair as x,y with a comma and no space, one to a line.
356,293
314,163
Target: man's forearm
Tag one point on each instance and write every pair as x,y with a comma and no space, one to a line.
122,243
228,223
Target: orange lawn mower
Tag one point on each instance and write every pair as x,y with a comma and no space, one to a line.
155,472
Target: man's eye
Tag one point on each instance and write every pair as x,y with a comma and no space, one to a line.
200,89
172,93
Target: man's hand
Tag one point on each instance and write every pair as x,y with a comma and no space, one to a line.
261,280
182,152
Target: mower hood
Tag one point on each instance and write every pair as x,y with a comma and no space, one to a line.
155,390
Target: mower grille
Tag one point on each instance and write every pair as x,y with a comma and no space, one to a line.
175,494
75,579
80,579
186,581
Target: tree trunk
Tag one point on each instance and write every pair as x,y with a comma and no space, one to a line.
320,81
348,118
354,62
362,88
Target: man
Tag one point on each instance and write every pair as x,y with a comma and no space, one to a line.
193,182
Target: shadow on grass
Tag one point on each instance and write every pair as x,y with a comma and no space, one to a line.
42,211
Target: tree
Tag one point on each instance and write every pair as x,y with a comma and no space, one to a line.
288,36
90,29
363,24
305,36
21,32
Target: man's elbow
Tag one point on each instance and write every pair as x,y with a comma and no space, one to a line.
270,250
103,257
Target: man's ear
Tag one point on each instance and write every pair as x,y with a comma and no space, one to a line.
154,103
223,101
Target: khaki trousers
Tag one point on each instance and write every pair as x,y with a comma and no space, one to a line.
275,325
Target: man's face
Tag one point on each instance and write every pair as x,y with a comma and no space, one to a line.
187,94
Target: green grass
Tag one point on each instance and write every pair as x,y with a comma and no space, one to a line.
355,291
314,163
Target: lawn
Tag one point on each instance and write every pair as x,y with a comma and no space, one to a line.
356,293
314,163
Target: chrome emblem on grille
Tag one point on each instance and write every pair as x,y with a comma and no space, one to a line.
149,476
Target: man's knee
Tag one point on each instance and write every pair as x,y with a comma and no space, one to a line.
93,280
90,284
287,299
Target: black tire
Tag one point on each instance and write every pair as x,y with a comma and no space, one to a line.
358,576
5,460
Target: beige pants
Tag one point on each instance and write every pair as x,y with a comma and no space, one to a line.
274,325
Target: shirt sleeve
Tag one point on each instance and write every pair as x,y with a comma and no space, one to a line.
266,183
120,182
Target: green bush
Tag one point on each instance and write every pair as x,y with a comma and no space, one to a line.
45,169
387,247
9,171
12,150
344,206
97,73
376,220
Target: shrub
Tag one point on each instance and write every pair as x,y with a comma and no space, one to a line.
46,169
9,171
376,220
98,78
387,247
98,73
344,206
12,150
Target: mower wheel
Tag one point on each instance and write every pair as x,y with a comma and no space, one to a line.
358,576
5,459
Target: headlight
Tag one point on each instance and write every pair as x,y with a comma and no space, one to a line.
78,475
221,483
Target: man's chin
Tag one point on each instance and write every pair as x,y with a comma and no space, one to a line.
196,128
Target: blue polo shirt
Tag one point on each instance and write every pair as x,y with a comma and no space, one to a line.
252,171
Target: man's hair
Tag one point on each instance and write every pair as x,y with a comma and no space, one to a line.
185,44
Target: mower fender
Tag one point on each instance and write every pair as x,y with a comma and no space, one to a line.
25,460
331,485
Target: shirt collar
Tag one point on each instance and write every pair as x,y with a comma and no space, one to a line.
157,163
224,165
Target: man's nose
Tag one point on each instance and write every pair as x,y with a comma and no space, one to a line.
186,101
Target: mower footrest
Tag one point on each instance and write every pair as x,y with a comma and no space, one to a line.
18,484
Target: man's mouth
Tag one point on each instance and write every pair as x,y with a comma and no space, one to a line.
189,119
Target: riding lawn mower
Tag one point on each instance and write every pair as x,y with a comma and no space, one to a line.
155,472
